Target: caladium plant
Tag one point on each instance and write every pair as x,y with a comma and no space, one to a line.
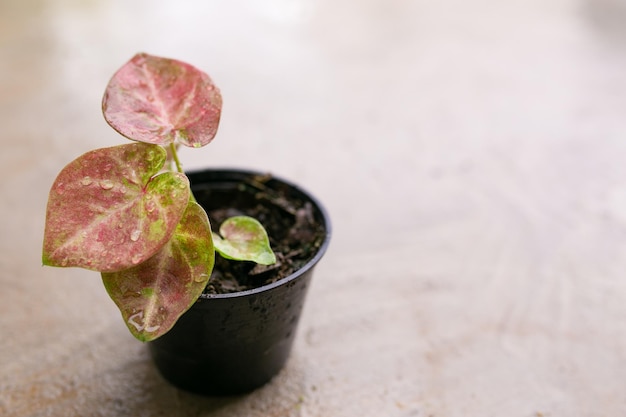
128,212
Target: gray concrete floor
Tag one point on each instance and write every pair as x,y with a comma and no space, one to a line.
471,154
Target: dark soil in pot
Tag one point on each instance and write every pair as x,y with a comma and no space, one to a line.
239,334
295,232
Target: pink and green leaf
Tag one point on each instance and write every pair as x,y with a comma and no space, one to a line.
153,295
243,238
161,101
108,210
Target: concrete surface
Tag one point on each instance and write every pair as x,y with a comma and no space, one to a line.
472,156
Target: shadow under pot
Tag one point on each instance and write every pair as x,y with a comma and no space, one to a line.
239,333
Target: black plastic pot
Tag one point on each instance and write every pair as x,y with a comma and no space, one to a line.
230,344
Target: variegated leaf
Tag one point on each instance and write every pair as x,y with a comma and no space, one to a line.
108,209
160,100
154,294
243,238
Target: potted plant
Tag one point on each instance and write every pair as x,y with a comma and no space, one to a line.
216,323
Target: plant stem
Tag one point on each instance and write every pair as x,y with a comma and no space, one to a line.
179,167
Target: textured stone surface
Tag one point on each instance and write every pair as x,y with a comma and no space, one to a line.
471,154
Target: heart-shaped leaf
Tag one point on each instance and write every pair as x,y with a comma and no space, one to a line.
243,238
154,294
108,211
160,100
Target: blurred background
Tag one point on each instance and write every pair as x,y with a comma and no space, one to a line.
470,153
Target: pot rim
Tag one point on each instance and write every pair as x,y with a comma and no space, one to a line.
306,267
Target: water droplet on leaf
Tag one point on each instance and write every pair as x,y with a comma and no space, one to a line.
150,206
106,184
134,236
136,259
86,181
151,329
200,277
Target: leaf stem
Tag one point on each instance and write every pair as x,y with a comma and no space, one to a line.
179,167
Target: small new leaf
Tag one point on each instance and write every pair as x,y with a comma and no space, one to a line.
243,238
